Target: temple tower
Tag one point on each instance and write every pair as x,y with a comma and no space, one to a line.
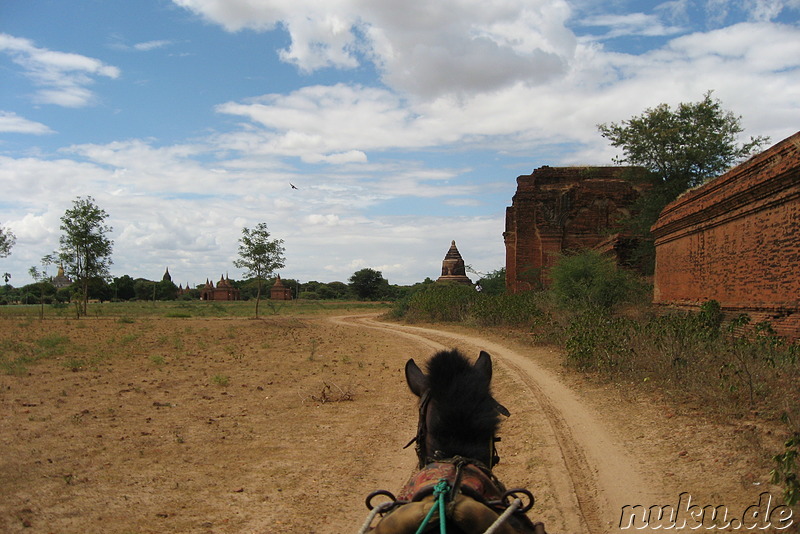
453,269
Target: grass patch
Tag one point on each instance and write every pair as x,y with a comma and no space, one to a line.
221,380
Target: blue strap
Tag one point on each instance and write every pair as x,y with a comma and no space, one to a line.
439,496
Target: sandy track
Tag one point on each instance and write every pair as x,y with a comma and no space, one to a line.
589,474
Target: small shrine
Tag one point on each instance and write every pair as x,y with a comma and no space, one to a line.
453,268
224,290
280,291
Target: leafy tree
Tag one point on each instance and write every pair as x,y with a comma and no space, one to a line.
369,284
123,287
7,240
683,147
493,283
259,255
85,247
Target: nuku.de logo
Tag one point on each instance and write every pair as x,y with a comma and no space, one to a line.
685,515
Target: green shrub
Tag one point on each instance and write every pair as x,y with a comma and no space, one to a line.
521,309
589,280
440,302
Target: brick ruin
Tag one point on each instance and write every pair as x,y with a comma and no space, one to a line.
224,290
453,267
278,291
556,209
736,240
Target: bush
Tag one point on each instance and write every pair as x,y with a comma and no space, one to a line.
588,280
440,302
521,309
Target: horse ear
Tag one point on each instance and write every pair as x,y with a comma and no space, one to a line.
416,379
484,364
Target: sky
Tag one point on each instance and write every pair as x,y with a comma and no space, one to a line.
403,125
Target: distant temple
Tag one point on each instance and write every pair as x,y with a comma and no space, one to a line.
223,291
453,269
280,291
61,280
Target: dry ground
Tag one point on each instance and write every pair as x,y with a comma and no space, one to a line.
284,424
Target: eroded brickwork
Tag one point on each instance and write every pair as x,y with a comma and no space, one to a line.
561,208
737,240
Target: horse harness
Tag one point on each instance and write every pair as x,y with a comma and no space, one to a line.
475,496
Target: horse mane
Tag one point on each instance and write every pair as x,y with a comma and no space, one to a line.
465,417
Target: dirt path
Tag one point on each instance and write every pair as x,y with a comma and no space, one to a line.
588,451
600,475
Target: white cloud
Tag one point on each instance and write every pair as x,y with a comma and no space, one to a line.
631,24
151,45
62,77
421,47
10,122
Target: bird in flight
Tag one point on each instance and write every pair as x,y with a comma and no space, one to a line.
293,186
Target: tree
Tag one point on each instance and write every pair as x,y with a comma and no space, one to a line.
683,147
123,287
43,280
7,240
259,255
369,284
85,247
494,282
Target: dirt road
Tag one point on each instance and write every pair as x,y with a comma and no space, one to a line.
588,476
586,454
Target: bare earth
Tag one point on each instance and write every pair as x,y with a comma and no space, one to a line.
284,424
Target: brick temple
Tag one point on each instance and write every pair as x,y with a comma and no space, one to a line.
736,240
558,209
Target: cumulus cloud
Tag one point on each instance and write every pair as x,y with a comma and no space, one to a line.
420,47
62,77
10,122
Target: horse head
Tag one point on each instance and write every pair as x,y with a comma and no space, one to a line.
458,415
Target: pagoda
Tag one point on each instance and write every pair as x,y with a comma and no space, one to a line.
453,269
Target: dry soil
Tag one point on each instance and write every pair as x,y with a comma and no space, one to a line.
285,424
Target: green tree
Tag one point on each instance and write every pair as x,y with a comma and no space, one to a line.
123,287
494,282
85,246
682,147
369,284
7,240
259,255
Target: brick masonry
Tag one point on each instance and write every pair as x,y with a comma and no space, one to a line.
556,209
736,240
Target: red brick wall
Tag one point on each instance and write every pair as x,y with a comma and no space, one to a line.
737,240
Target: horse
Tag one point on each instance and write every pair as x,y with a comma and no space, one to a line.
454,489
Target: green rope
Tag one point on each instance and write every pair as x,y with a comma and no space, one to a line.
439,493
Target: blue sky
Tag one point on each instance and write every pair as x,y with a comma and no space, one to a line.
403,124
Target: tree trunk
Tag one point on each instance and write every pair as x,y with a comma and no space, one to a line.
258,297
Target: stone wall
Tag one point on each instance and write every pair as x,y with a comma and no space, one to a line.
556,209
737,240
